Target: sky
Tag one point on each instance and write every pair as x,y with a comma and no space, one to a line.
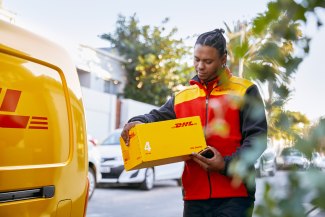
73,22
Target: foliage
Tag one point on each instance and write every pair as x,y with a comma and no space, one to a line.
302,188
240,47
155,60
269,51
287,125
268,60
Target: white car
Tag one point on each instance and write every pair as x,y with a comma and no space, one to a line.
94,165
292,158
316,161
112,167
322,164
265,165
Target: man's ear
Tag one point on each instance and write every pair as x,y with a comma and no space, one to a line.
224,59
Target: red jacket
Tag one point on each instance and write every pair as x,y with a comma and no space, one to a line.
230,125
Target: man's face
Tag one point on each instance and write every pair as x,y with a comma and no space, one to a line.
207,62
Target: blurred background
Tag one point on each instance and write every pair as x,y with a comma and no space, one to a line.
131,56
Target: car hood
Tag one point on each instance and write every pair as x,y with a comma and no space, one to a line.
109,151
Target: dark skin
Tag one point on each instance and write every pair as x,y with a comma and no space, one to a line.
214,164
208,63
127,127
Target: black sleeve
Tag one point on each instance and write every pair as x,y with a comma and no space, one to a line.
165,112
253,127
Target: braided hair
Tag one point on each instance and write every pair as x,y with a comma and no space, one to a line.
214,39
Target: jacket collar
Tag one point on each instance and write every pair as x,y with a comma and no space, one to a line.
218,81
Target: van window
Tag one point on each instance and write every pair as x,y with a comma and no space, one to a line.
33,114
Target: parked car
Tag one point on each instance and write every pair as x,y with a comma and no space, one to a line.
293,158
266,163
94,165
322,164
112,167
316,161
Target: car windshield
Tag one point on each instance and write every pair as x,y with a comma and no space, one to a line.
295,153
291,152
113,139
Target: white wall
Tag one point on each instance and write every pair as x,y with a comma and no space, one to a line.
100,110
131,108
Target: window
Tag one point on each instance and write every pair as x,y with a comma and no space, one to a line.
111,86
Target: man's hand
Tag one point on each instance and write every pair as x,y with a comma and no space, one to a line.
216,163
126,129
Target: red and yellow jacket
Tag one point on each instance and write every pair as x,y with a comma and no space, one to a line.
233,117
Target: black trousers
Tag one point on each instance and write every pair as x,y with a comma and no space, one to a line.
221,207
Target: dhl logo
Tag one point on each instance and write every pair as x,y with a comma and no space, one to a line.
184,124
9,104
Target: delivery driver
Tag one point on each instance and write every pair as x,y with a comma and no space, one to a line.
232,114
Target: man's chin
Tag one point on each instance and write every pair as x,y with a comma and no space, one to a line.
202,77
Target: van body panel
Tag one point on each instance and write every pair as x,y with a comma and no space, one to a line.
34,114
42,128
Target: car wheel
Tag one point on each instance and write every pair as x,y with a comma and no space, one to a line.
272,173
149,179
92,182
179,181
258,172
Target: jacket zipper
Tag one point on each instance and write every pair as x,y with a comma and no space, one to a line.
206,123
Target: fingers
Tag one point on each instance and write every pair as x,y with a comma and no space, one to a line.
125,133
200,157
216,163
202,164
202,161
216,152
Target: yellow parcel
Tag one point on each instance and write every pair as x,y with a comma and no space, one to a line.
163,142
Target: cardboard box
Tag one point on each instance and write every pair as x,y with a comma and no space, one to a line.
163,142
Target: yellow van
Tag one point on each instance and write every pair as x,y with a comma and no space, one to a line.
43,144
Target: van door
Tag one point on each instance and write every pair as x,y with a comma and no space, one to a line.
43,163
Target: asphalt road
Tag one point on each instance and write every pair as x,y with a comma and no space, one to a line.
165,200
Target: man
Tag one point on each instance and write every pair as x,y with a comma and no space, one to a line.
233,117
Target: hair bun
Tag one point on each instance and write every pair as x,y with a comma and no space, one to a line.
219,30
